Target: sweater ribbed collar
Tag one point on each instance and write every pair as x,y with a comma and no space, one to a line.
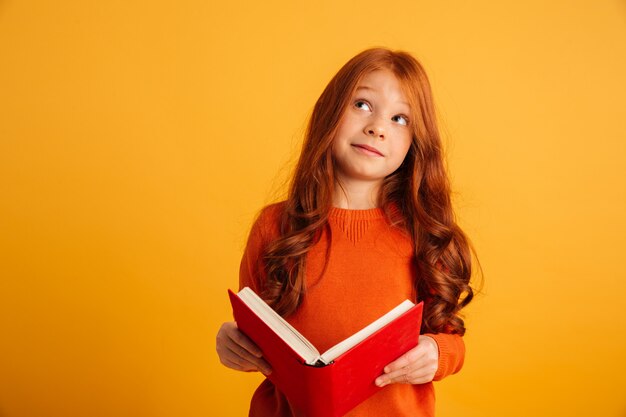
353,214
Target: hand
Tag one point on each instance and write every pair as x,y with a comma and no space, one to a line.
238,352
417,366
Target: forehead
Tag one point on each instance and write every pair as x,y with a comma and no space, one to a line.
383,82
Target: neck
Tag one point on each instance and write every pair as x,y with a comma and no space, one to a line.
357,195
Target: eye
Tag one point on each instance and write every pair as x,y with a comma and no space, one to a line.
406,119
356,103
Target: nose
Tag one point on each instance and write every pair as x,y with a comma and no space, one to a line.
376,129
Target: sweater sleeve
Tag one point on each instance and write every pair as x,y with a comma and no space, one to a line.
251,266
451,354
264,229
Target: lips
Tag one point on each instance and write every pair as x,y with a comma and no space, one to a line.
368,149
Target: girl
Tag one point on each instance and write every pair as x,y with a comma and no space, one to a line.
368,222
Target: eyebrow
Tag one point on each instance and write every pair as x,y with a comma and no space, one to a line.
365,87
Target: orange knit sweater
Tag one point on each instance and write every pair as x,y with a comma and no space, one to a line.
369,271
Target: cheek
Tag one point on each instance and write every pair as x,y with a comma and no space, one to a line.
403,149
337,149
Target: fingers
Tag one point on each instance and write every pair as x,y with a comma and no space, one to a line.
238,354
245,366
237,351
243,341
405,376
405,360
246,360
417,366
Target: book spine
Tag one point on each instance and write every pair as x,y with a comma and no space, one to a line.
320,391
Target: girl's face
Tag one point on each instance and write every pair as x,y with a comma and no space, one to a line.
374,135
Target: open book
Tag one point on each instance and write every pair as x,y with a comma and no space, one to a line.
332,383
300,344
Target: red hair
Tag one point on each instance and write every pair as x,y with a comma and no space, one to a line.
419,188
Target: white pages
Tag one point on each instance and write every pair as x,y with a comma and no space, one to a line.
300,344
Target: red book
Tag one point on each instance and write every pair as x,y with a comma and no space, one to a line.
330,384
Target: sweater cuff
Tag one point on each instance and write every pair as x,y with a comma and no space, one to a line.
451,354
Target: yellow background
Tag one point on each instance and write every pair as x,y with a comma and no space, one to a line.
139,138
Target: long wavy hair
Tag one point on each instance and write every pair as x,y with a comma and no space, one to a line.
418,191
